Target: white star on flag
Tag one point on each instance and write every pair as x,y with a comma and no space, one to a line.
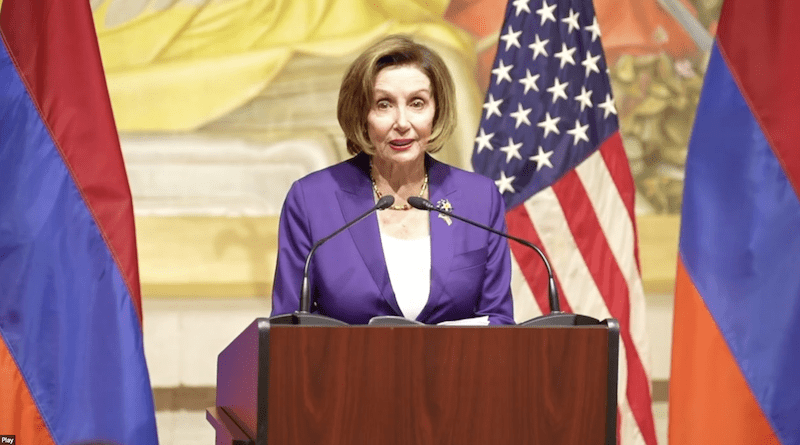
572,20
521,115
542,159
549,124
511,150
579,132
484,140
585,98
529,81
504,183
492,106
558,89
538,47
608,106
511,38
502,72
546,12
566,55
590,62
522,5
594,29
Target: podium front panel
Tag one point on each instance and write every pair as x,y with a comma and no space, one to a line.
437,385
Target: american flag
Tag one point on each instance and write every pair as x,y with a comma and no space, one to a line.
549,138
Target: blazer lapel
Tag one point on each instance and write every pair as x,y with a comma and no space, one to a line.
365,234
441,234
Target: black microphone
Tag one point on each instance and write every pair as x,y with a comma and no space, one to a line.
305,298
552,292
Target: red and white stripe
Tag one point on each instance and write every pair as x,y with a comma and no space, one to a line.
585,224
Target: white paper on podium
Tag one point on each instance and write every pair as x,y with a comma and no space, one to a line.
475,321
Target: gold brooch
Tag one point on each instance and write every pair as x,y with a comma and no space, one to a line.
444,205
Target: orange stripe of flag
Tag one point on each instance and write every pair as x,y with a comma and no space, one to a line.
705,374
19,415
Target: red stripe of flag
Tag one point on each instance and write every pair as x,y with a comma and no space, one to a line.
767,49
520,224
613,287
618,167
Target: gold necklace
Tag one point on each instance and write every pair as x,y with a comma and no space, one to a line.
380,195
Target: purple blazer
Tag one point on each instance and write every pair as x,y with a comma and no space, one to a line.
470,267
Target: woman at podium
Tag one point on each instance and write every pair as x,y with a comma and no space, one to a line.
396,106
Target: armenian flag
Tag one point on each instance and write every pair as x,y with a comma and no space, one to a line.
72,365
736,341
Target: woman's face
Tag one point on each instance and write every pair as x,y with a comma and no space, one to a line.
401,115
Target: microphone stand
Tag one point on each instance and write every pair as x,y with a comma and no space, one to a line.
552,291
304,316
556,317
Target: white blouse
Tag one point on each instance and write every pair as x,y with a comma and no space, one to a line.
409,264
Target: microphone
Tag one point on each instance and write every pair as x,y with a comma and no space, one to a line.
552,292
305,298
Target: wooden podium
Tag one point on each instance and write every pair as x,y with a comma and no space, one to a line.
285,384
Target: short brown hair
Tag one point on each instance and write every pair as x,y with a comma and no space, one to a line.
355,94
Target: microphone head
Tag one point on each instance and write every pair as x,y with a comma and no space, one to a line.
385,202
420,203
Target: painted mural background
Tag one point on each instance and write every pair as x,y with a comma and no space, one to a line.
221,104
